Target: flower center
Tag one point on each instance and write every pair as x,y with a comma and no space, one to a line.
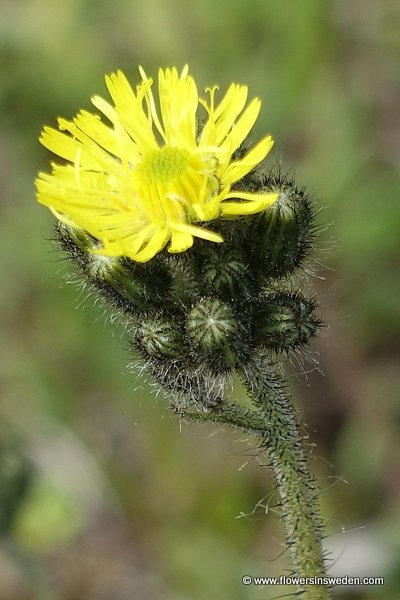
163,166
168,182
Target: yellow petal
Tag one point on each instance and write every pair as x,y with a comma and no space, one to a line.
120,89
256,203
200,232
237,170
232,103
128,109
66,146
88,145
114,140
151,247
180,241
242,128
222,119
178,104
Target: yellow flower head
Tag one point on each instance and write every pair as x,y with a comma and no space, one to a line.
150,177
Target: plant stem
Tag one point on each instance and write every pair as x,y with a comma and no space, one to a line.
274,421
229,414
298,497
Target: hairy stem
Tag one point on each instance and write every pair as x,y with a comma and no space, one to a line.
298,498
275,423
229,414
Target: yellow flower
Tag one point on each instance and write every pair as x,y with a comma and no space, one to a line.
151,176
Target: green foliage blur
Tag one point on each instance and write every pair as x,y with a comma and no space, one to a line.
104,494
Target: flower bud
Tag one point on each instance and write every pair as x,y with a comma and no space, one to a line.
211,324
183,287
283,233
159,337
224,272
130,286
285,321
213,328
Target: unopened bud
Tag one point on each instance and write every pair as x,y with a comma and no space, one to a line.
211,324
158,337
284,231
286,321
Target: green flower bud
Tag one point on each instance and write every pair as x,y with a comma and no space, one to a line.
224,272
159,337
130,286
75,243
186,383
183,288
282,234
211,324
285,321
111,275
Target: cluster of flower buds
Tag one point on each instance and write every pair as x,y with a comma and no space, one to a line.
196,316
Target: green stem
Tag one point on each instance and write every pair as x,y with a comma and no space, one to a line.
295,484
276,424
229,414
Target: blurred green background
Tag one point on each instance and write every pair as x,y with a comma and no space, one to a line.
104,494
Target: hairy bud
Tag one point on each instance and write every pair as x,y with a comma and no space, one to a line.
285,321
283,233
224,272
211,324
132,287
159,337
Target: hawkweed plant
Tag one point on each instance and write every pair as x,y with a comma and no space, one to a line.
167,213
